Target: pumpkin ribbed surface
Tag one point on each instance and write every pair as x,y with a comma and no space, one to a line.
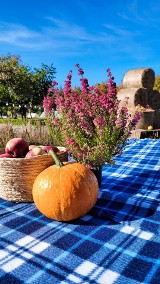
65,193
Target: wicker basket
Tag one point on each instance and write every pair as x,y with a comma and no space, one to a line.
17,175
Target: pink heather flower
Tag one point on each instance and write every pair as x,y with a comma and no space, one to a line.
54,82
100,131
55,121
50,90
135,119
47,105
99,121
80,71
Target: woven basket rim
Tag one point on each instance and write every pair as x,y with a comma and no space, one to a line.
62,151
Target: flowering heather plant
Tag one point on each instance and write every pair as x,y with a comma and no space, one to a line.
94,127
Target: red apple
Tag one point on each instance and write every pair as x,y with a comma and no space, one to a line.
35,152
6,155
17,147
54,148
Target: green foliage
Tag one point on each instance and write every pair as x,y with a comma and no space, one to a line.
54,132
157,83
20,122
12,121
20,87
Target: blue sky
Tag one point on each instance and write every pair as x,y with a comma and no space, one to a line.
119,34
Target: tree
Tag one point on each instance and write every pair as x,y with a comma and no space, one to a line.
41,79
20,86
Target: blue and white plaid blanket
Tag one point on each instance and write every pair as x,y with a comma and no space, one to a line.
116,242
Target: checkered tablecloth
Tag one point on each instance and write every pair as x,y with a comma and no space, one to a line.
116,242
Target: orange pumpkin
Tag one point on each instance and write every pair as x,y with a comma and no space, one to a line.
65,192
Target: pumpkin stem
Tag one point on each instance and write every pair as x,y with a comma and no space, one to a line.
58,163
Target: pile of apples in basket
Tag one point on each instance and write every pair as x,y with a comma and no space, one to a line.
20,148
